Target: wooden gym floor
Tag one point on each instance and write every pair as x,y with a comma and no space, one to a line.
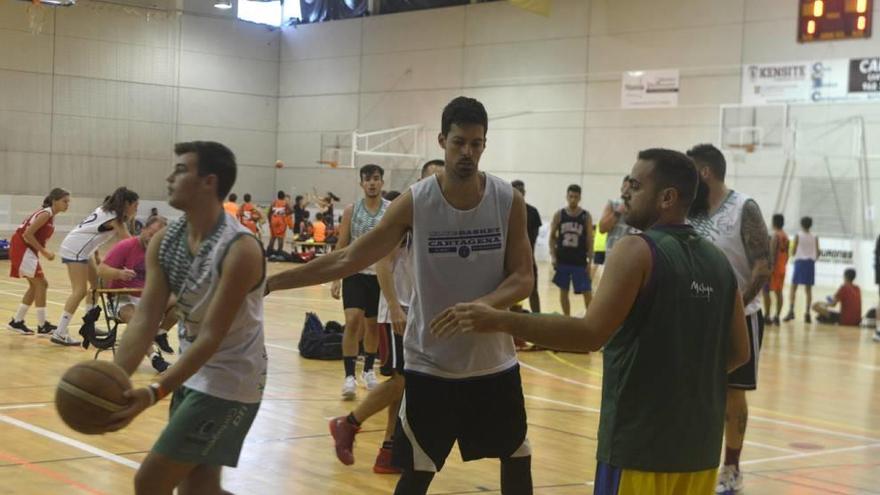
814,426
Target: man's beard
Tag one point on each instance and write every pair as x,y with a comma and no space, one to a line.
700,206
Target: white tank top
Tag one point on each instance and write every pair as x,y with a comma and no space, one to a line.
401,268
362,221
237,371
458,256
806,247
724,229
81,242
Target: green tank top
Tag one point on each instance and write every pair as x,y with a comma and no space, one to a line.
664,383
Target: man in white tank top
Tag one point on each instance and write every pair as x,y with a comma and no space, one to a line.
734,223
215,268
806,252
469,245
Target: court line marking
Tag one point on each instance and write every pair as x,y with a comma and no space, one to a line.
768,420
21,406
558,377
811,454
24,463
771,447
70,442
566,362
284,347
18,296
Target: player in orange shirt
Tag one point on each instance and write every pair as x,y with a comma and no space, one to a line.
319,228
779,245
231,205
278,223
249,215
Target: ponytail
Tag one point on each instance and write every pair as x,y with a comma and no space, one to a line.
55,195
117,201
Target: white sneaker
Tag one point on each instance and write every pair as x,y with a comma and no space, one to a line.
369,379
730,481
876,335
349,388
65,340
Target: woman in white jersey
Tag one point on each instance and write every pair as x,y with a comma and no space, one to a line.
78,249
806,252
28,242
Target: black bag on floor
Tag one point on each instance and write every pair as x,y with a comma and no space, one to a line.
318,343
4,249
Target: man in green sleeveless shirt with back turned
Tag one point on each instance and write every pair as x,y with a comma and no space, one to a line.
671,320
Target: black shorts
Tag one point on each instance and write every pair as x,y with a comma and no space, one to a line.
361,291
599,258
393,362
486,415
746,376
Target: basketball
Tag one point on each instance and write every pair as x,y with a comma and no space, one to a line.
89,393
279,164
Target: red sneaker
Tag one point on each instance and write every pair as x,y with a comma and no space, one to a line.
383,463
343,434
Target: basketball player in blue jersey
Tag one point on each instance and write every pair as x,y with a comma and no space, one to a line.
215,268
360,292
469,244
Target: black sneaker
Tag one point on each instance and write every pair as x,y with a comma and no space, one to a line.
19,327
789,316
776,321
158,362
45,329
807,318
162,341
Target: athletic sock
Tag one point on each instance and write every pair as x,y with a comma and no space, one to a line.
62,324
352,420
22,310
348,362
41,316
89,307
731,456
369,359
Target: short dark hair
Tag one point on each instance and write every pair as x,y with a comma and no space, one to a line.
432,163
281,195
213,159
710,156
849,274
297,199
806,222
307,214
778,220
518,183
155,218
673,169
247,197
233,197
391,195
464,110
319,217
370,169
574,188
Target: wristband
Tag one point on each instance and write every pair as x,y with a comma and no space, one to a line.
158,391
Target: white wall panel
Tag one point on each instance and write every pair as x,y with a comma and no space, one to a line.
555,61
538,150
320,76
31,52
318,113
258,181
111,23
111,137
321,40
25,131
394,109
421,30
86,175
504,23
235,111
14,15
299,149
614,17
235,74
230,38
110,99
554,105
24,173
400,71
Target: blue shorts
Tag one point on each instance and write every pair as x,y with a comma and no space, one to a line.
568,275
804,272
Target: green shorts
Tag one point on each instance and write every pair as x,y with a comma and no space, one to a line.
203,429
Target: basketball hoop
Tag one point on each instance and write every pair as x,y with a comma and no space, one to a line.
747,147
332,163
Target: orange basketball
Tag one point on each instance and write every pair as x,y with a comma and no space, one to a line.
279,164
89,393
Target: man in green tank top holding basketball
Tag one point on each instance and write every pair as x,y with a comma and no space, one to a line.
671,319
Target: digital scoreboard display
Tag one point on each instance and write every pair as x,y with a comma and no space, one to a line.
829,20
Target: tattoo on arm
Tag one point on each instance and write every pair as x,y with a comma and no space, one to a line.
757,245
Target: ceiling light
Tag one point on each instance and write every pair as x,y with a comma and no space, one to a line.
223,4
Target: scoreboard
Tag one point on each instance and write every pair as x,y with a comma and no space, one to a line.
828,20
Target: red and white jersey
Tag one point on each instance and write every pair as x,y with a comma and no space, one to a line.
44,233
